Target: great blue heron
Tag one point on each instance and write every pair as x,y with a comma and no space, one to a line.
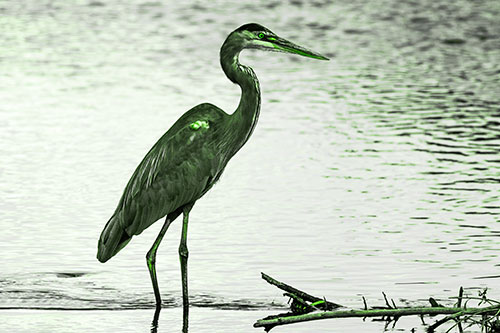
191,156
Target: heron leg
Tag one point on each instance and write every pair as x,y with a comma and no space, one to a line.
151,260
183,257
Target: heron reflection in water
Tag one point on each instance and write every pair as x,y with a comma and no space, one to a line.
190,157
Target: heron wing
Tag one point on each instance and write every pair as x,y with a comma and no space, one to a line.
177,170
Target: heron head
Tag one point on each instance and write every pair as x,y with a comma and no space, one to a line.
255,36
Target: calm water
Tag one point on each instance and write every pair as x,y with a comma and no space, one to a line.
376,171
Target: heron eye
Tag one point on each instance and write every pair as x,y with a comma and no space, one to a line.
261,35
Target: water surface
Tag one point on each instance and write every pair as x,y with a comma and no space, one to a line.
376,171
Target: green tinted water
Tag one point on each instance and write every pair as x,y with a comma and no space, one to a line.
375,171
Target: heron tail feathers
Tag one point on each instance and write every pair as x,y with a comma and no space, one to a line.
113,239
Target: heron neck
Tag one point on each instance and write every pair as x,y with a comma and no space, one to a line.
244,119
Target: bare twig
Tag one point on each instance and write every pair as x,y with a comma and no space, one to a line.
460,295
386,301
455,315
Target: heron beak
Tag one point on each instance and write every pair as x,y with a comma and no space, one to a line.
283,45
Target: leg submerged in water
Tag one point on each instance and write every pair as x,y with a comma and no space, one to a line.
154,323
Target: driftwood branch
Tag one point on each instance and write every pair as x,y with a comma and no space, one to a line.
400,312
303,295
304,305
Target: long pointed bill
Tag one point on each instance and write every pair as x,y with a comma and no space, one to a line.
283,45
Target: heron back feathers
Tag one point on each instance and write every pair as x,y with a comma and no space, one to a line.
185,162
